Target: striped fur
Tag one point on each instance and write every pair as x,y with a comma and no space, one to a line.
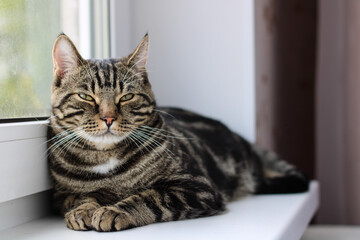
151,164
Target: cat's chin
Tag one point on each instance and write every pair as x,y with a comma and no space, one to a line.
105,141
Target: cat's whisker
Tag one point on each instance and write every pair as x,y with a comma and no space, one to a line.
72,141
160,111
144,139
86,138
158,144
152,138
151,134
156,129
134,140
153,149
76,142
58,144
141,141
162,132
60,139
63,140
77,139
56,136
67,131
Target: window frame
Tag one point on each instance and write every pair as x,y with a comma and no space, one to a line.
95,39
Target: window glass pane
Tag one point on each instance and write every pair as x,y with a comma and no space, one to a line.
28,29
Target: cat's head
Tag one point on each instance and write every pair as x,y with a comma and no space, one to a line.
100,101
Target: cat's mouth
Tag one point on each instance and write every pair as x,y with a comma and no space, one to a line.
105,139
108,132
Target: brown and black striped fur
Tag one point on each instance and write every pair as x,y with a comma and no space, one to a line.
118,161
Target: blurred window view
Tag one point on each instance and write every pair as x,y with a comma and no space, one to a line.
28,29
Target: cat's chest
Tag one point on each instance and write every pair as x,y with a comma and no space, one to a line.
109,172
102,178
101,162
100,170
104,167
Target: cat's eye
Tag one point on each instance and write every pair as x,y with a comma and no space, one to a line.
86,97
127,97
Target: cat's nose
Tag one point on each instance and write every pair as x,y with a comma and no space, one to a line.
108,120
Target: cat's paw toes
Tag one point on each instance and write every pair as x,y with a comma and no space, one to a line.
80,218
106,219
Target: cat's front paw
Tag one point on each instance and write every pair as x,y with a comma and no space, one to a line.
79,219
106,219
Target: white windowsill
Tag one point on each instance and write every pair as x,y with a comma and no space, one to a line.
23,160
270,217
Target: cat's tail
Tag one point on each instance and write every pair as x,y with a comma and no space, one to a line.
279,176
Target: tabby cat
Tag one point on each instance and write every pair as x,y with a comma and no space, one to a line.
118,161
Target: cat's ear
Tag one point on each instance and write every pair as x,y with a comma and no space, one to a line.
65,56
139,56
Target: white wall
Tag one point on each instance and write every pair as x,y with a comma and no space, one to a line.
201,54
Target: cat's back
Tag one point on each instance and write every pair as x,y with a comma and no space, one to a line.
206,129
178,117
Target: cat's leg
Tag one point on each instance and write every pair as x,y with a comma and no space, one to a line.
79,211
158,205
